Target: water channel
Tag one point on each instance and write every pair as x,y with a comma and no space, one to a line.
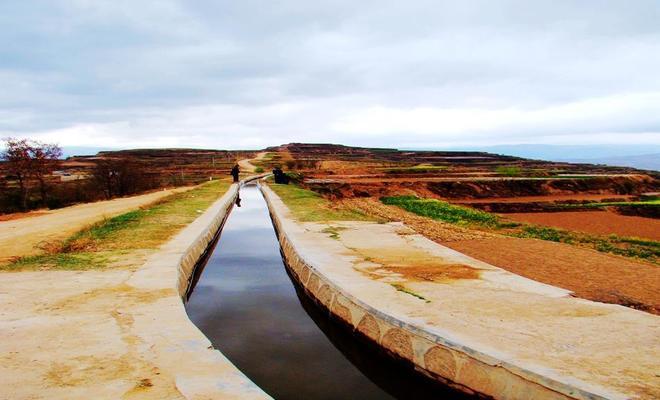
245,303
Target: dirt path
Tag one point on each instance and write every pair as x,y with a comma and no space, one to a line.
25,236
588,273
598,222
246,164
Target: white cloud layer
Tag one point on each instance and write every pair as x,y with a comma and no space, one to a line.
250,74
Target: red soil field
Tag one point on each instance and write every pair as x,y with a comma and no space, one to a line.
589,274
558,197
598,222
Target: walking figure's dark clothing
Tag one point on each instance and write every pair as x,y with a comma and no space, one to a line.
234,172
280,176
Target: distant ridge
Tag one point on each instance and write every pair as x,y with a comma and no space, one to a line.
642,161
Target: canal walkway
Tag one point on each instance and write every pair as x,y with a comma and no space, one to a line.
474,325
117,333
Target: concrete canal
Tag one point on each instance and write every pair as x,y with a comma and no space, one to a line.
245,303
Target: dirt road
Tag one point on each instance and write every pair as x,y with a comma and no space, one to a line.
25,236
247,166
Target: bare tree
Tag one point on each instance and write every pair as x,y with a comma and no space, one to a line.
29,161
120,177
105,176
45,158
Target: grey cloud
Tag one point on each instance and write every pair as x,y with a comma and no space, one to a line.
116,64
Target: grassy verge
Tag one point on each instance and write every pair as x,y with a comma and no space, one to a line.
110,241
442,211
645,203
420,168
307,205
511,170
624,246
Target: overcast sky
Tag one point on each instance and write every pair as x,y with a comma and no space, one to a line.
248,74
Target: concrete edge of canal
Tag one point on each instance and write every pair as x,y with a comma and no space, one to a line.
435,356
200,371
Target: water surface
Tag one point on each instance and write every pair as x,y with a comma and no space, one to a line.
246,304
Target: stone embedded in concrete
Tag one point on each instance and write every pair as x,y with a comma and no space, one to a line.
312,283
340,310
441,361
399,342
324,295
304,275
369,327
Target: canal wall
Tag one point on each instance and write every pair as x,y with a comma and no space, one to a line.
444,358
176,344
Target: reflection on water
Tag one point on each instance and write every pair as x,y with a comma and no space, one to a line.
245,303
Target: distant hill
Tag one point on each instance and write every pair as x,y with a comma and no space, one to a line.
70,151
640,156
642,161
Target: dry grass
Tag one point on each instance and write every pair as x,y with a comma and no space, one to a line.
109,242
309,206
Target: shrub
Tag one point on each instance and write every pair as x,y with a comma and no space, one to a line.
443,211
510,170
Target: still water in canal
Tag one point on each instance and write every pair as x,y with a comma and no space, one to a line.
245,303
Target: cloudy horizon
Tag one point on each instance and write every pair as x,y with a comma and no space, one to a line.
252,74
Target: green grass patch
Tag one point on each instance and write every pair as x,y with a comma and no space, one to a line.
546,233
420,169
649,203
443,211
64,261
258,170
405,290
111,240
509,170
307,205
333,231
439,210
645,249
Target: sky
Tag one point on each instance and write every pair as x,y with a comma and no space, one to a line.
407,74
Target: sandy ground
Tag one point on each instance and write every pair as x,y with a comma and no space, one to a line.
25,236
598,222
589,274
66,333
13,216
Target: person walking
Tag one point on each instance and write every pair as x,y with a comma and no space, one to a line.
234,172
